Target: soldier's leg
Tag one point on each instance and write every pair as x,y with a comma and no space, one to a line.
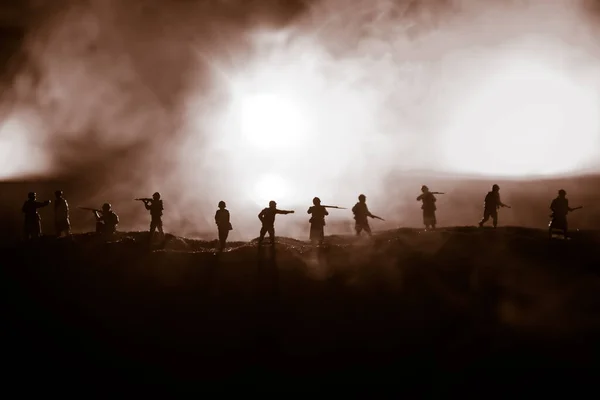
358,227
152,227
159,225
495,218
37,229
271,231
261,236
486,217
367,229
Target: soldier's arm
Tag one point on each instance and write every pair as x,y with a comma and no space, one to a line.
309,210
117,219
325,212
217,217
284,212
261,215
147,205
420,197
368,213
97,215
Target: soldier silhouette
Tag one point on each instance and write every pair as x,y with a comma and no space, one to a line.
428,207
560,208
222,219
267,217
62,223
33,221
491,205
155,206
106,220
317,221
361,213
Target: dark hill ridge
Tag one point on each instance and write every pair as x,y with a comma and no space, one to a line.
447,300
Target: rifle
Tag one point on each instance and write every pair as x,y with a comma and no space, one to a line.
437,192
336,207
573,209
144,199
376,217
90,209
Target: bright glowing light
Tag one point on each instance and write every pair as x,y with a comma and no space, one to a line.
269,121
20,155
271,187
528,120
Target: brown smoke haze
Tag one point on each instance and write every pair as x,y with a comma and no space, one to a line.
251,101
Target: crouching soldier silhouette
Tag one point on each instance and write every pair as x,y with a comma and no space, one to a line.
267,217
222,219
62,223
491,205
317,221
428,207
560,208
33,222
106,220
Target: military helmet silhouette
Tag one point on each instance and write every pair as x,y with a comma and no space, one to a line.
362,197
495,188
316,201
31,195
424,188
58,193
106,206
272,204
156,195
222,204
562,192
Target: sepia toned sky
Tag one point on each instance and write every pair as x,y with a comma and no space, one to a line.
248,101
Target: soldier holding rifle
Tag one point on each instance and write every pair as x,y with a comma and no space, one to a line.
428,207
106,219
361,212
317,221
155,206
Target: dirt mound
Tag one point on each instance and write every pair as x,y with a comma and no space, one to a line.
402,299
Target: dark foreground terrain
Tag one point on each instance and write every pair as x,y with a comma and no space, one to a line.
427,311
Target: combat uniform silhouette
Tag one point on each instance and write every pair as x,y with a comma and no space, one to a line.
428,207
222,219
267,217
33,221
62,221
560,208
361,212
491,205
317,221
155,206
106,220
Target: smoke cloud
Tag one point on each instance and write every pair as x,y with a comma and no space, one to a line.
247,102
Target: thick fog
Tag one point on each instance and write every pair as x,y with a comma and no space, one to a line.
252,101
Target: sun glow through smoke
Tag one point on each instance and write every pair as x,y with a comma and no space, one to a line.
526,119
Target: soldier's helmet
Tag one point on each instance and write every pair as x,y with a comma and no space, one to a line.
562,192
272,204
362,197
106,207
222,204
58,193
156,196
31,195
424,188
316,201
495,188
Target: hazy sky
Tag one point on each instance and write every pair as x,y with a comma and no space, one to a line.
208,100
